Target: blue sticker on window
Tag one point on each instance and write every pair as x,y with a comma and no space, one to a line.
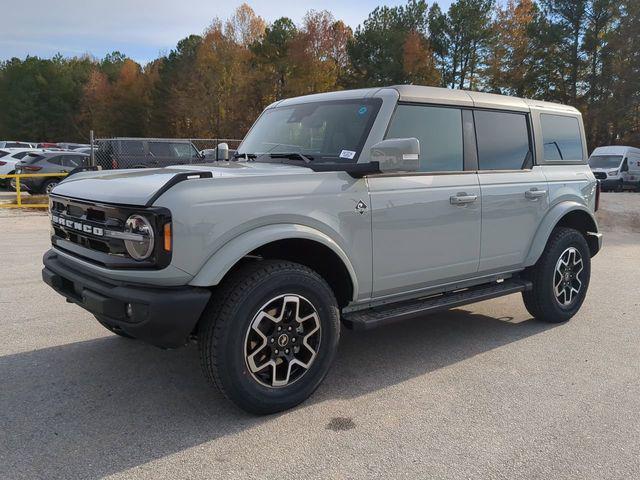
362,110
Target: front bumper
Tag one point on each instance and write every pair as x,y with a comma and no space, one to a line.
161,316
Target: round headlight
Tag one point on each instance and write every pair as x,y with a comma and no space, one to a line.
139,249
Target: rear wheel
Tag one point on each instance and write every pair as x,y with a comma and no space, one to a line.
560,277
49,185
269,335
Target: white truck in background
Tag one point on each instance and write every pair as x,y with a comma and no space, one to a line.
617,167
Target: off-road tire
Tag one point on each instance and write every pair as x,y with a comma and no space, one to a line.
112,328
541,301
223,328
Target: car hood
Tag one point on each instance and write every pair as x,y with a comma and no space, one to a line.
142,186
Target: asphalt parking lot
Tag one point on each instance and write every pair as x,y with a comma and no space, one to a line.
479,392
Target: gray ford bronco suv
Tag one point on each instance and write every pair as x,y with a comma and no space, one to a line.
359,207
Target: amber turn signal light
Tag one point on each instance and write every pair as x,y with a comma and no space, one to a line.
167,237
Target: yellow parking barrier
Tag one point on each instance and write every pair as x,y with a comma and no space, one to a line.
19,203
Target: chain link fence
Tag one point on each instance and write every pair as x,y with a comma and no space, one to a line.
126,152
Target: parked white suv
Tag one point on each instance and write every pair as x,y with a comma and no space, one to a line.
364,207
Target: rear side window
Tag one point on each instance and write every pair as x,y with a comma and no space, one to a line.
562,139
55,160
503,140
131,147
73,161
160,149
32,158
20,155
439,131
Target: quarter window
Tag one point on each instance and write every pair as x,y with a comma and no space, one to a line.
503,140
562,139
439,131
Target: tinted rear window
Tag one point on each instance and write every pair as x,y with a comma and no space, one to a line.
32,158
562,139
503,140
131,147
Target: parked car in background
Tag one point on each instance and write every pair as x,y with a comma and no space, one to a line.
86,150
48,162
47,145
73,146
15,144
8,159
145,153
617,167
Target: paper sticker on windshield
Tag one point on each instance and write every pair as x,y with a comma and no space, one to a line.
350,154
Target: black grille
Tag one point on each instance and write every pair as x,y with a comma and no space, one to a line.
600,175
81,241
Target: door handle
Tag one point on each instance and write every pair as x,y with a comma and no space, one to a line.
462,199
534,194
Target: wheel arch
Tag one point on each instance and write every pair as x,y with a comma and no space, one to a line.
298,243
566,214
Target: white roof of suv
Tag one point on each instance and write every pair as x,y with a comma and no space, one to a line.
614,150
437,95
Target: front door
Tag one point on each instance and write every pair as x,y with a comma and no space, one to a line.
425,225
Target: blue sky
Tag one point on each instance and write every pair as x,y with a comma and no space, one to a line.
142,29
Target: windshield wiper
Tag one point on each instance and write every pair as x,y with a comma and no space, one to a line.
244,155
293,156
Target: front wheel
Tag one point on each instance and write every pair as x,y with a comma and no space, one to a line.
269,335
560,277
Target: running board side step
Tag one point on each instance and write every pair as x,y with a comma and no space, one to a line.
385,314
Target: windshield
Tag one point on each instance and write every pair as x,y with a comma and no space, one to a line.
331,131
605,161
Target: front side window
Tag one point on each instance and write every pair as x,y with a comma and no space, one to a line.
503,140
184,150
561,137
439,131
330,131
20,155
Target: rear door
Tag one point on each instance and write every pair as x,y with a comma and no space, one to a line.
426,224
514,191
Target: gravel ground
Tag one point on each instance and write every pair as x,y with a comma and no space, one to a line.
479,392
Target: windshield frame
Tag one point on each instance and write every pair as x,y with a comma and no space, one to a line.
620,158
374,103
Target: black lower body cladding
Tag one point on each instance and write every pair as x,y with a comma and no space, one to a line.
164,317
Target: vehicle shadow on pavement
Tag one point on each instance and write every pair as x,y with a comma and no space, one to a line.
98,407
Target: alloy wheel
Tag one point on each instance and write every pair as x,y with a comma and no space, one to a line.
50,187
567,283
282,341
